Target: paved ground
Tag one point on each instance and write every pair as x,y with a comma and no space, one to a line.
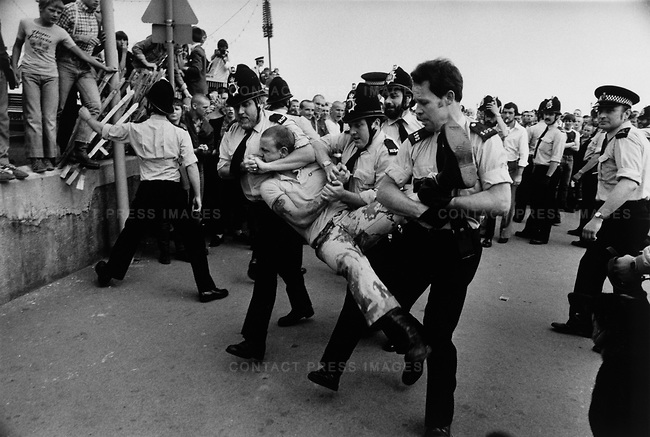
145,358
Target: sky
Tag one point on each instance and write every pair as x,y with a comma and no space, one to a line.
521,51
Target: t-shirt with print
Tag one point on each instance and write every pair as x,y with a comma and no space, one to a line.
40,47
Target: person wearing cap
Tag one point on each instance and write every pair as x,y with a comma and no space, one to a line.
277,246
279,100
516,146
622,219
313,205
361,157
546,142
398,99
459,171
162,148
361,154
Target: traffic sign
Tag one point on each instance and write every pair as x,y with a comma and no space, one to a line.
182,12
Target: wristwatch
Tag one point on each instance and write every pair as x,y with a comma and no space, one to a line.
326,163
599,215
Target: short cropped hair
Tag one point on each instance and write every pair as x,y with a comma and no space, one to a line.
281,137
442,75
511,105
303,102
42,4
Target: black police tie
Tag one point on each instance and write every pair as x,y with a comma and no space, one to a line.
605,141
539,140
403,134
350,166
238,156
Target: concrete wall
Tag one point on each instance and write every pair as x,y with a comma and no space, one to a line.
49,229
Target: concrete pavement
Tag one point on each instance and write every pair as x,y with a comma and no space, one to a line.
145,358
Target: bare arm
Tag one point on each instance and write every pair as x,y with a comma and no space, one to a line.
15,55
92,61
94,124
495,201
195,183
293,161
301,215
393,198
619,195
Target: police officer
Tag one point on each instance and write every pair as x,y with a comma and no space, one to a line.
622,218
362,153
277,245
365,153
398,98
547,145
162,148
440,244
279,100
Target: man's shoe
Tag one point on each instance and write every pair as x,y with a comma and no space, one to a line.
103,276
487,242
502,240
572,327
294,317
6,175
247,350
252,269
216,241
523,234
210,295
38,166
444,431
49,165
81,156
536,242
404,331
18,173
164,258
575,232
325,379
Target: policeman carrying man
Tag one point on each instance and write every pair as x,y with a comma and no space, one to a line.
277,246
622,218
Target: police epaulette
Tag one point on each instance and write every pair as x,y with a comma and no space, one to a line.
482,131
419,135
391,146
278,118
623,133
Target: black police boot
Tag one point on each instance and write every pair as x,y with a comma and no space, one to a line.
325,378
248,350
81,156
404,331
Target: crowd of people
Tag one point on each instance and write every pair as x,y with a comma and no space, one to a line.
398,166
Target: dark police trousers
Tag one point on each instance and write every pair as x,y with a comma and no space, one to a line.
542,203
626,231
154,201
278,248
407,265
